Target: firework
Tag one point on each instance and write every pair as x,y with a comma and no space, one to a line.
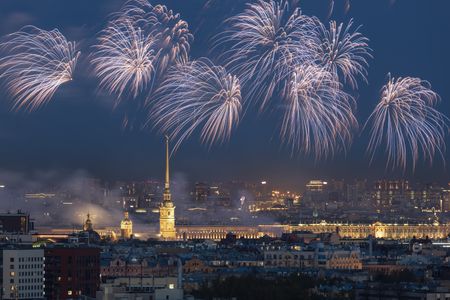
198,95
264,43
344,52
124,58
139,45
318,116
406,122
34,64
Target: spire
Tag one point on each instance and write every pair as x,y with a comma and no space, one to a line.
167,196
167,180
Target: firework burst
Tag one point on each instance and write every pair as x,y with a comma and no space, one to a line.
35,64
407,124
124,58
344,52
139,45
198,95
262,45
318,117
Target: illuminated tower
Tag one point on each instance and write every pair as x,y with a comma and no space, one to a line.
88,224
126,227
167,209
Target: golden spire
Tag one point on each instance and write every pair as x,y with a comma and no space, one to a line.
167,180
167,196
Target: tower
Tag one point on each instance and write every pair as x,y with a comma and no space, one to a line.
167,209
88,224
126,227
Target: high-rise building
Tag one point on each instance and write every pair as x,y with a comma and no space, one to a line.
23,274
167,209
391,195
201,192
316,195
126,227
71,272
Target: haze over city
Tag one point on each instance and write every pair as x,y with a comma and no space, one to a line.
224,149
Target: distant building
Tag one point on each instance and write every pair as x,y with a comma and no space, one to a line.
316,195
133,288
71,272
391,195
314,257
126,227
15,223
201,192
23,274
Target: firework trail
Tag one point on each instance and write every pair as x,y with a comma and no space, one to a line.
198,95
344,52
318,116
139,45
34,64
406,123
262,45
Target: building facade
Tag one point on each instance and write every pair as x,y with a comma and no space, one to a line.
23,274
71,272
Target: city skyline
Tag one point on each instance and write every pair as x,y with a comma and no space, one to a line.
76,131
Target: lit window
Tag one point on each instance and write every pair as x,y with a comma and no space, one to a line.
171,286
69,292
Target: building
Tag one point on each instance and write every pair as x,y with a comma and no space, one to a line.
391,195
316,195
316,256
15,223
126,227
143,288
379,230
23,274
167,209
71,272
201,192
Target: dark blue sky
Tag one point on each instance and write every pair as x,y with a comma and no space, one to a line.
79,130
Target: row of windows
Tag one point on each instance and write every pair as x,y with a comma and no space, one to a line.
29,287
274,256
27,259
29,295
30,280
32,266
22,274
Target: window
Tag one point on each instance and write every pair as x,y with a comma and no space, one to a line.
11,267
11,259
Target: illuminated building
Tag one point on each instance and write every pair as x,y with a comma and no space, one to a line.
23,274
350,231
167,209
391,195
126,227
379,230
88,224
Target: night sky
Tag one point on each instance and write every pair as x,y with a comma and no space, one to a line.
80,130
